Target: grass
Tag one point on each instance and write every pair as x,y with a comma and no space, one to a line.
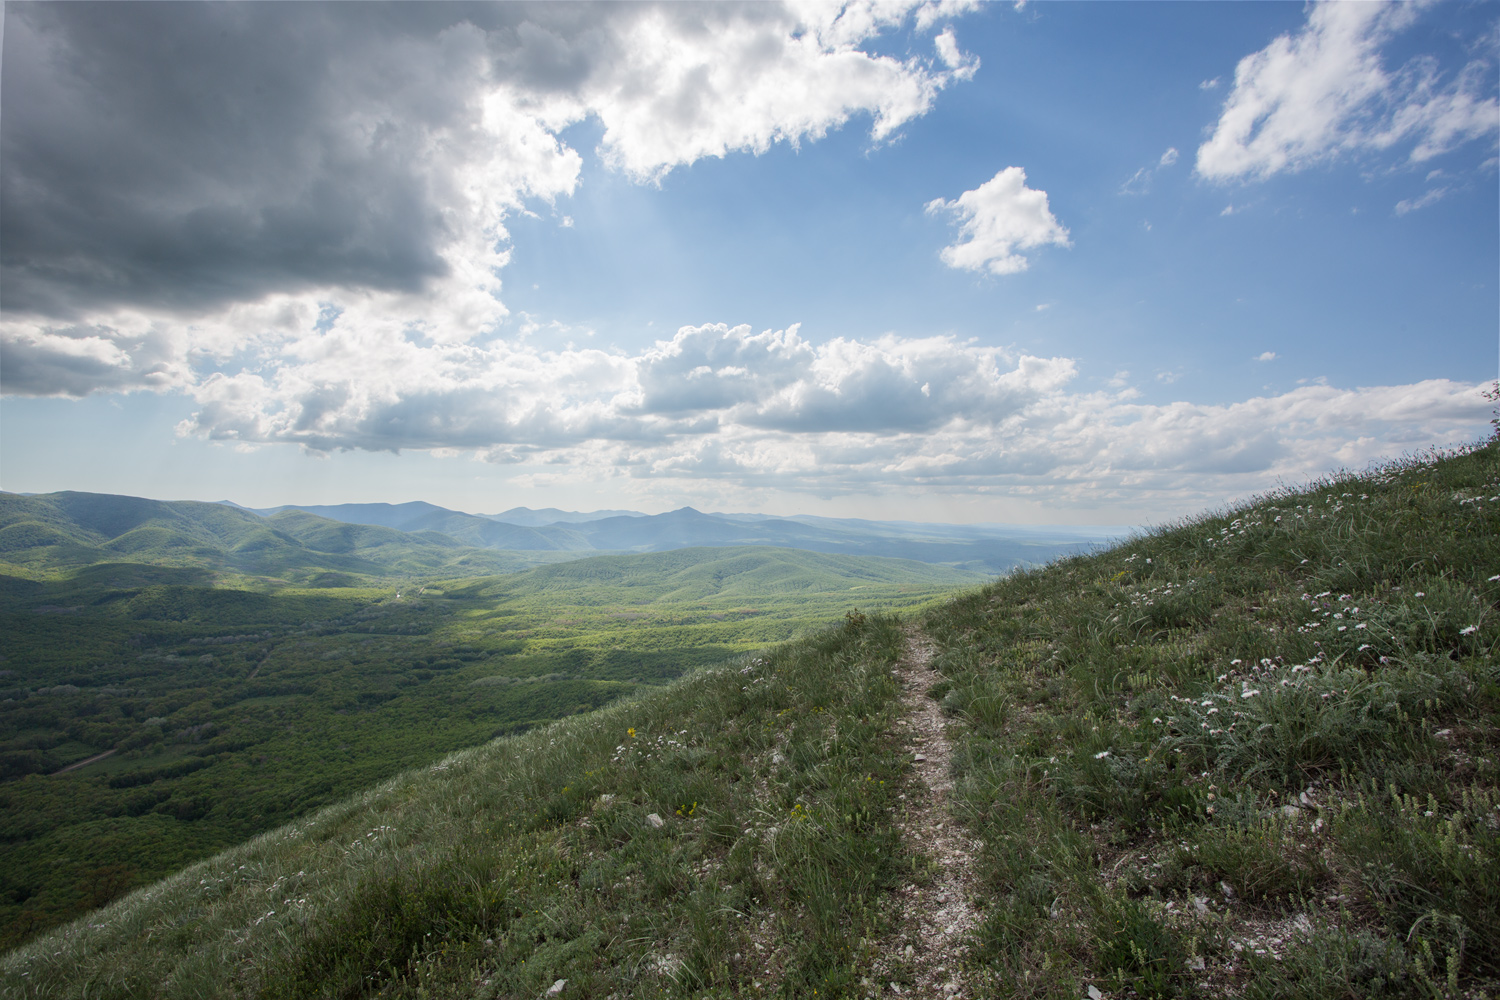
1254,753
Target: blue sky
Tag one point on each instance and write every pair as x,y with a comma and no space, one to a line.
1077,263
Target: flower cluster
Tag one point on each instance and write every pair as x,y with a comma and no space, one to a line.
647,749
1333,614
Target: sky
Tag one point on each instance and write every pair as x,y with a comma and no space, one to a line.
1065,263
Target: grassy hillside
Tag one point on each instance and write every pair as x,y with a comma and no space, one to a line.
1250,755
225,712
1256,754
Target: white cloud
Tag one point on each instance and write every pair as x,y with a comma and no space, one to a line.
1413,204
963,64
996,221
687,81
1140,181
1209,84
1266,356
1310,97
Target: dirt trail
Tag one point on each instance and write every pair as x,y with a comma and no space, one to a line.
84,763
938,916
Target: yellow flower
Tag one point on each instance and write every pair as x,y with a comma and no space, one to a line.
630,732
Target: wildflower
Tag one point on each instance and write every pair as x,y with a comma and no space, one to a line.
630,732
1104,753
1251,693
1468,631
1420,594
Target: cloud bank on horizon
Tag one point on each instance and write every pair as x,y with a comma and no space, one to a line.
304,219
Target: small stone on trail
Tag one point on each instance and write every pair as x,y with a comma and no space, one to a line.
1094,993
920,756
655,820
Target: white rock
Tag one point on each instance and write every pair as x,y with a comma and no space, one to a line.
1094,993
655,820
556,988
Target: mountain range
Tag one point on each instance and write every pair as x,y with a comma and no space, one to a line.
989,548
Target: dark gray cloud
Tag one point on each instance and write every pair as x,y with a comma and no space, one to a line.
184,155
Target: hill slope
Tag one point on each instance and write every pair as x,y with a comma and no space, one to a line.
1254,754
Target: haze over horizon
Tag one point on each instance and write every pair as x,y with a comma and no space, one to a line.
1044,263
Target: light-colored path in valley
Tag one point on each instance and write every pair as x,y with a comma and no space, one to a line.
938,916
84,763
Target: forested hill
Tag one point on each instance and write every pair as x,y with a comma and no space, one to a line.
1256,754
67,530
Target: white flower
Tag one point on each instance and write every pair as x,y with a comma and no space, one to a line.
1102,753
1468,631
1250,693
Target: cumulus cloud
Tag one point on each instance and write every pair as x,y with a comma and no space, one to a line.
1266,356
997,221
774,409
1325,91
769,409
180,158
